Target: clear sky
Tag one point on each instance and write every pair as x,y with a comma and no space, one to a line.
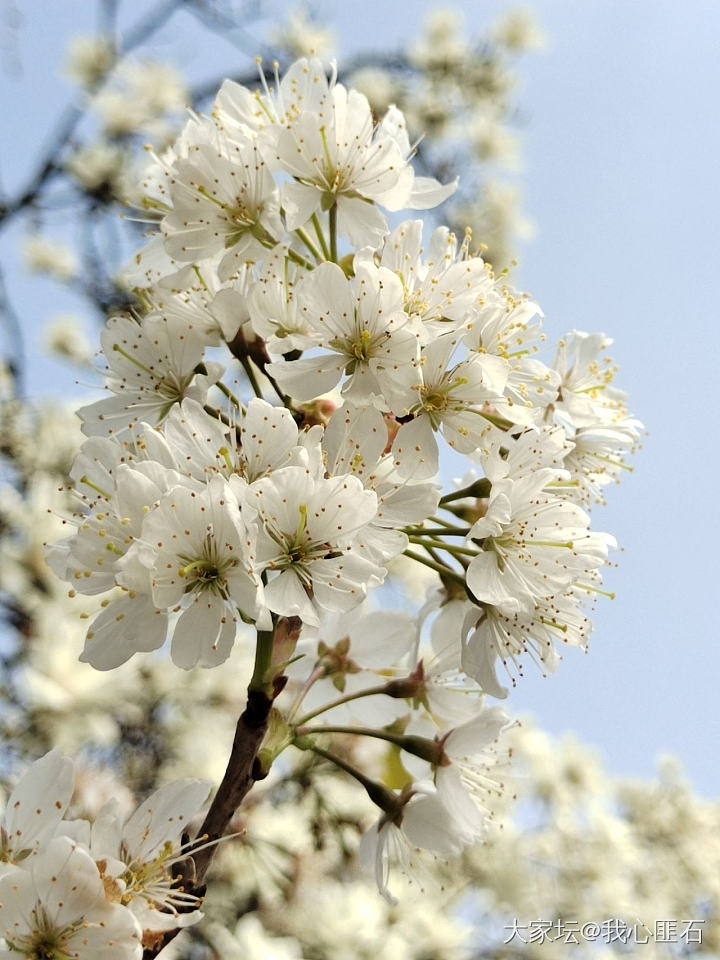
621,180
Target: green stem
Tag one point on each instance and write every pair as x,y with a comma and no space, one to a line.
300,260
436,556
444,571
439,545
308,243
419,746
263,660
370,692
332,221
444,523
395,738
478,489
315,675
229,394
380,795
445,531
321,236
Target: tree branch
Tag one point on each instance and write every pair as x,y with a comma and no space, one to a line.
242,771
71,117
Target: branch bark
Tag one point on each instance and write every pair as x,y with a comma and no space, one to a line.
241,773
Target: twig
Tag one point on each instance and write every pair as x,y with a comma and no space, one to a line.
16,343
70,118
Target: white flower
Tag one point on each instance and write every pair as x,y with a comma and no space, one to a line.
193,311
65,337
495,638
269,440
102,553
533,545
448,693
273,305
356,441
422,823
509,328
97,166
596,458
466,783
138,96
516,455
306,530
302,36
444,290
586,396
363,328
89,59
223,197
151,366
200,558
339,158
57,908
141,853
90,559
518,30
251,941
242,113
442,41
453,397
35,808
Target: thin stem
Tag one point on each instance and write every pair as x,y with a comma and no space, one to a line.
229,394
436,556
439,545
283,397
332,222
308,243
299,260
478,489
247,367
444,523
444,571
317,672
369,692
423,747
380,795
458,512
397,739
321,236
445,531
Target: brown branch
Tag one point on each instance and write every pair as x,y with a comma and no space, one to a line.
49,165
239,778
242,770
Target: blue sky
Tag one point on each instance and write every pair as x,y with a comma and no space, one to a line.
621,146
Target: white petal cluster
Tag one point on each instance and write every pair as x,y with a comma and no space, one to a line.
205,512
72,889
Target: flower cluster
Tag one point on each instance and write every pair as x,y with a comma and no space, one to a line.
69,888
205,516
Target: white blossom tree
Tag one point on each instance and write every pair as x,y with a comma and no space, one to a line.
285,358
